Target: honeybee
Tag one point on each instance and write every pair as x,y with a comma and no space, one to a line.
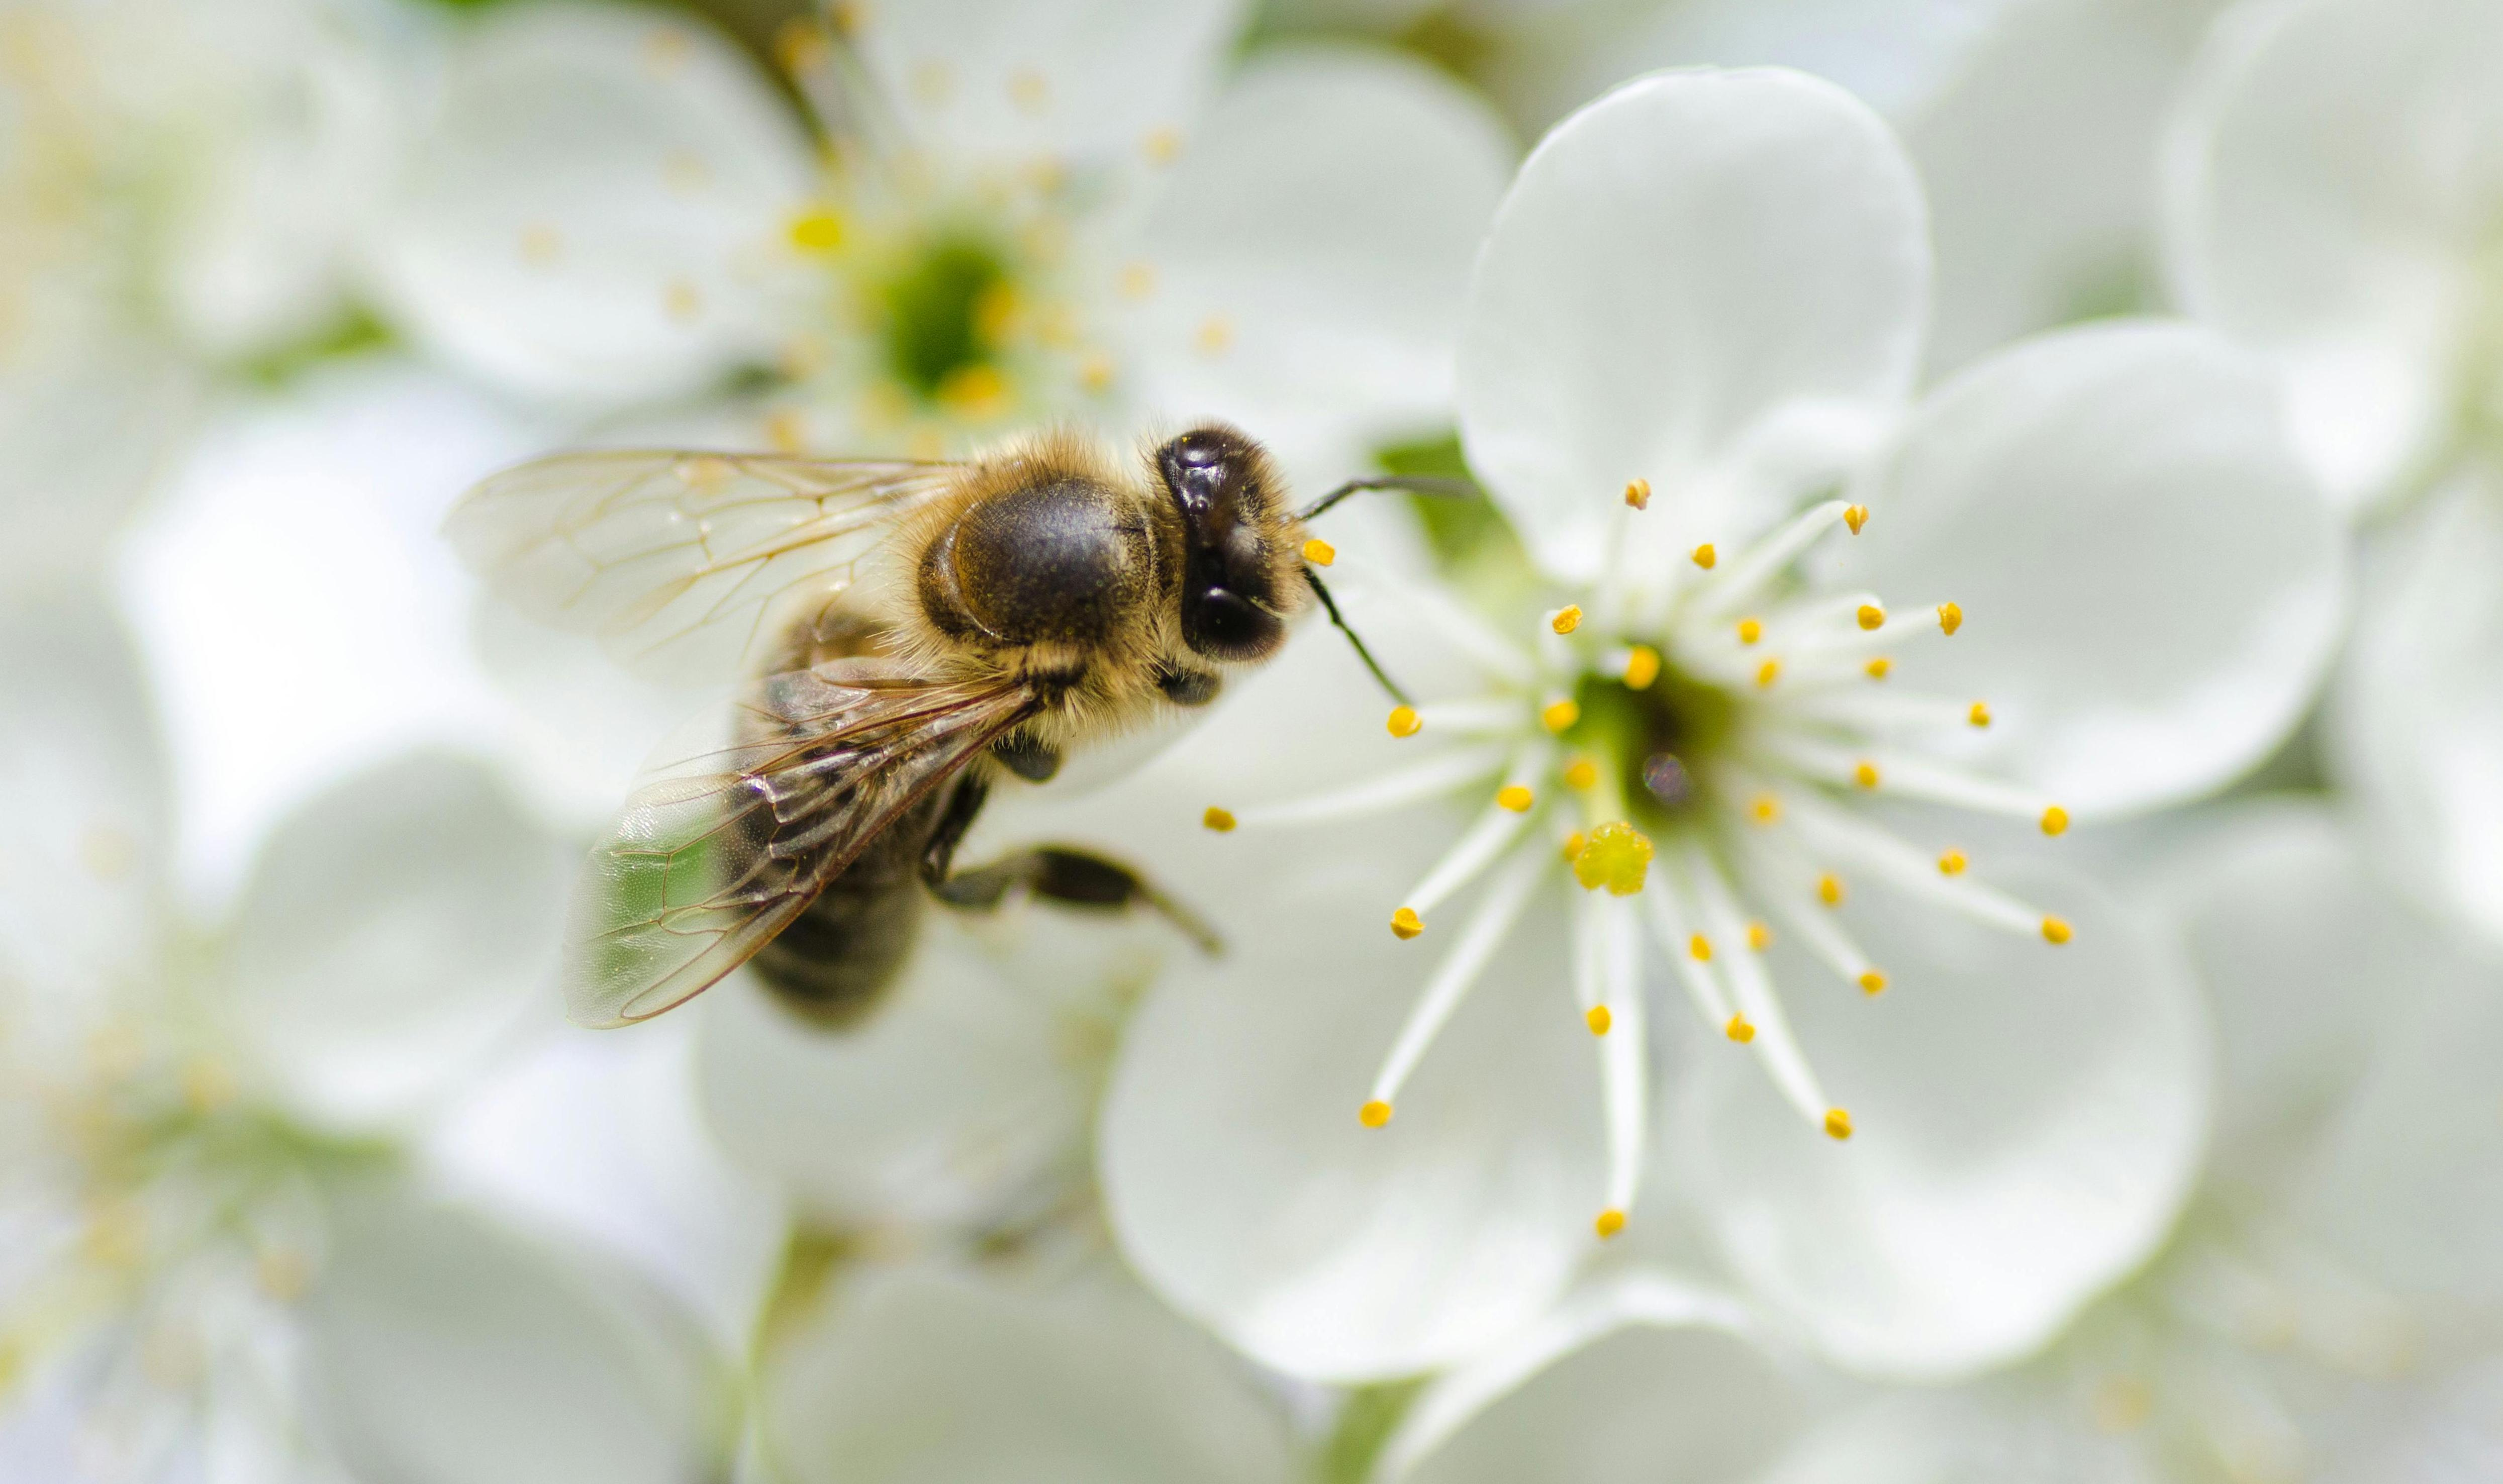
919,632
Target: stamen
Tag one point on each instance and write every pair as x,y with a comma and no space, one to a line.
1759,937
1765,809
1899,864
1876,667
1491,716
1610,1222
1638,494
1217,819
1625,1080
1574,844
2056,930
1838,1123
1477,847
1705,556
1979,715
1753,989
1318,552
1666,916
1750,630
1581,774
1406,924
1872,616
1642,667
1950,617
1769,871
1598,1019
1404,721
1908,774
1856,516
1768,672
1829,889
1699,949
1437,774
1767,557
1479,938
1616,856
1738,1029
1515,797
1952,863
1374,1114
1565,619
1864,774
1559,715
2055,820
1872,981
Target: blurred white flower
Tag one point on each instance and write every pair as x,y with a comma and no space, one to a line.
1023,211
2335,180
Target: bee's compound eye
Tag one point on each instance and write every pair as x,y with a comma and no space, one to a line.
1199,450
1223,626
1188,687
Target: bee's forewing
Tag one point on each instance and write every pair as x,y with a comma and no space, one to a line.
716,853
673,559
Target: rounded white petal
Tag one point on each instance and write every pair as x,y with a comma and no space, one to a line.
2027,1121
87,422
1715,282
445,1350
2152,584
1312,248
2415,720
918,1375
2330,190
599,206
1116,82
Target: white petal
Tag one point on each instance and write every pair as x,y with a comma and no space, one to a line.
2329,189
444,1350
394,932
599,206
926,1375
1312,249
2416,718
2027,1120
1104,81
1684,271
1992,1434
84,430
2152,585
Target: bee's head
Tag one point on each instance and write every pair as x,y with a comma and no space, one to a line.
1237,561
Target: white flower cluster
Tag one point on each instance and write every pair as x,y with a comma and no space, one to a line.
1981,584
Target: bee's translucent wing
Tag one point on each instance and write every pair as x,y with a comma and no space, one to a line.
716,854
672,559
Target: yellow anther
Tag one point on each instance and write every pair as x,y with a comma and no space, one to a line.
818,231
1566,619
1739,1029
1217,819
1699,949
1215,333
1611,1222
1750,630
1318,552
1559,715
1768,672
1406,924
1404,721
2056,930
1515,797
1876,669
1638,494
1950,617
1137,281
1864,774
1952,863
1872,616
1872,981
1374,1114
1581,773
1704,556
1765,809
1838,1123
1598,1019
1163,146
1574,843
1979,715
1759,937
1829,889
1617,856
1856,516
2055,820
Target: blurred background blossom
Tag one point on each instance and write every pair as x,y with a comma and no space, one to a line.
2173,312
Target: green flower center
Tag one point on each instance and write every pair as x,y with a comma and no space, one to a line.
1655,737
942,315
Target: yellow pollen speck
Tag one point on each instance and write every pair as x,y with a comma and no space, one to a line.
1581,773
1705,556
1979,715
1217,819
1856,516
682,300
541,245
704,471
787,430
1952,863
1829,889
1699,949
1759,937
1750,630
1559,715
1137,281
1374,1114
1876,669
1739,1029
1950,617
1864,774
1404,721
1406,924
1617,856
1574,843
1638,494
1768,672
1764,809
1318,552
1872,616
1838,1123
1095,373
1163,146
1215,333
979,391
1611,1222
1872,981
1642,667
1598,1019
932,84
1515,797
1567,619
2055,820
1030,90
2056,930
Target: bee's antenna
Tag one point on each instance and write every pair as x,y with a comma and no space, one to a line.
1330,606
1415,484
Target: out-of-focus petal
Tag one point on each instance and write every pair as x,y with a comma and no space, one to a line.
84,430
1997,1432
2152,584
2026,1121
926,1375
599,206
2330,188
443,1349
1716,282
2415,720
1311,250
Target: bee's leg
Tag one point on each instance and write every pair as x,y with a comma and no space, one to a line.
949,832
1072,878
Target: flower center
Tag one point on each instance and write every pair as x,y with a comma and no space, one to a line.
1658,740
945,312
